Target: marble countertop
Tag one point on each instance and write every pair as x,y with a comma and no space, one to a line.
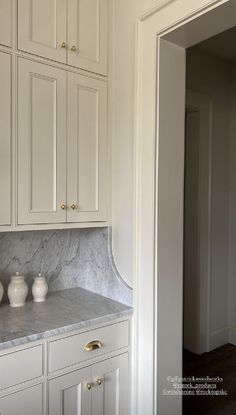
62,312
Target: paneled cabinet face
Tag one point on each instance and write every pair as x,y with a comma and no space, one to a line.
5,22
69,394
28,401
42,28
87,34
101,389
87,149
41,143
111,397
73,32
5,139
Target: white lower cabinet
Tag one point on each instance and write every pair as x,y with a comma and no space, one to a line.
100,389
26,402
33,382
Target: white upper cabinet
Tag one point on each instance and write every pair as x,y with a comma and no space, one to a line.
41,143
73,32
5,22
87,149
42,28
87,35
5,138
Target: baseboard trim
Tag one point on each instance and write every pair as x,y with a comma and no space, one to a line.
219,337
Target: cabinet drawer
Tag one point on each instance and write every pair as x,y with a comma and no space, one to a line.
20,366
71,350
26,402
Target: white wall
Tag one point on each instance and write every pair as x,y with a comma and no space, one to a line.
210,75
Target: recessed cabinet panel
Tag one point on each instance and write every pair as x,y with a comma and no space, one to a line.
110,396
5,22
69,394
87,149
42,28
26,402
41,143
5,139
87,33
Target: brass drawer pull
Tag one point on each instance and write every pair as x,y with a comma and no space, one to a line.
94,345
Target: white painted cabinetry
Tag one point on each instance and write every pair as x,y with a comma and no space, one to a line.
87,35
25,402
41,143
100,389
76,36
62,146
5,22
87,149
42,28
5,138
93,378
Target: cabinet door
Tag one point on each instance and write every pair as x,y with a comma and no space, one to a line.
41,143
5,139
69,394
87,149
42,28
5,22
112,396
87,32
28,401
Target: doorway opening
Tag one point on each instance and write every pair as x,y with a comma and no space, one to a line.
209,232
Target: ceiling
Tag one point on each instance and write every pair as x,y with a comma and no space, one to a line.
222,45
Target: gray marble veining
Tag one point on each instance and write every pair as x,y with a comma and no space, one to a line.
67,258
62,312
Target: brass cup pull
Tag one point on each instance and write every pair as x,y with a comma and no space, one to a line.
73,48
99,382
89,386
63,206
73,206
94,345
63,45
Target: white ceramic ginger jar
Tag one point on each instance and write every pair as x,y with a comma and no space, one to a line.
1,291
39,289
17,290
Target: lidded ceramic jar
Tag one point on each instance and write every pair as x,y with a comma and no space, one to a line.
1,291
39,289
17,290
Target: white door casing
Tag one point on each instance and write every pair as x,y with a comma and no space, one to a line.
41,143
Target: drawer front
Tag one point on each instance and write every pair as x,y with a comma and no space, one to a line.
20,366
71,350
26,402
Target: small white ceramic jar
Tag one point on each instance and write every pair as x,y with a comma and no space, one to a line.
1,291
39,289
17,290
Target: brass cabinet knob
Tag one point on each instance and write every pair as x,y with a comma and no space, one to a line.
89,386
73,48
99,382
63,206
73,206
63,45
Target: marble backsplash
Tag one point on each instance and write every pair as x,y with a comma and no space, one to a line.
67,258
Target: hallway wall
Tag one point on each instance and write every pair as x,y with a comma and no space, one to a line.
211,75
